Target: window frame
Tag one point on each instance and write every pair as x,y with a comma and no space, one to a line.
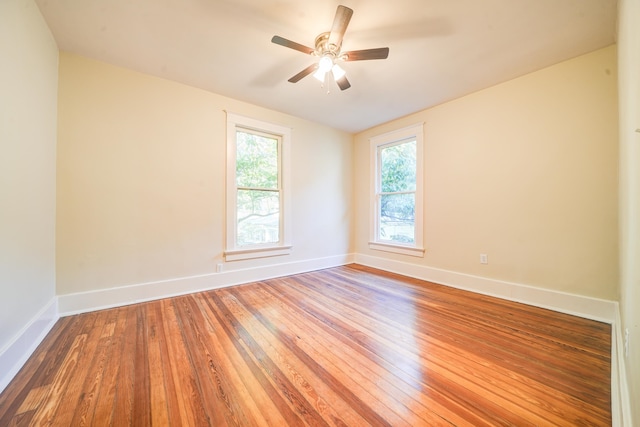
233,251
375,143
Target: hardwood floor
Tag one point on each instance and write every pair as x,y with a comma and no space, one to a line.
344,346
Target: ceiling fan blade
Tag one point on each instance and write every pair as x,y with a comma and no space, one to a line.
343,83
310,69
362,55
340,22
292,45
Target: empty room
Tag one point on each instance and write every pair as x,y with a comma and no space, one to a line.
267,213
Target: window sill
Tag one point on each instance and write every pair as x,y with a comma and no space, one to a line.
241,254
398,249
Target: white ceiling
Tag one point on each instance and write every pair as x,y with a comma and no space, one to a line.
439,49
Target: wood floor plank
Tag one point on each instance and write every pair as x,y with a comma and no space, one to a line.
321,345
605,372
229,392
285,352
124,391
75,373
105,399
190,404
157,377
214,408
492,345
83,415
39,369
345,346
290,400
233,368
47,411
398,356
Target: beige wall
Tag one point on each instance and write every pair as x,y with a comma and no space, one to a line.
141,169
629,89
28,90
526,172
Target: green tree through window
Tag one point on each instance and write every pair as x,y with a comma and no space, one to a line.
397,191
258,189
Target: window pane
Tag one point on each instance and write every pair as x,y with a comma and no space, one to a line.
258,217
256,161
397,218
398,167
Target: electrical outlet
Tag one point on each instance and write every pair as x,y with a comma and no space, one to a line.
626,342
219,268
484,259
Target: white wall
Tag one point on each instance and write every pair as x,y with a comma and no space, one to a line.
28,97
629,90
141,181
526,172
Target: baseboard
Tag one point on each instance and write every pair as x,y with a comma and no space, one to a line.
18,351
577,305
620,400
82,302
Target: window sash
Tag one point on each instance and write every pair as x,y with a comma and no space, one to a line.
278,151
255,219
387,147
244,242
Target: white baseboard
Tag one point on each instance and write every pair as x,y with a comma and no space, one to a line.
577,305
82,302
18,351
620,400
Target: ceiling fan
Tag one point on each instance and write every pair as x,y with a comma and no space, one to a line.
328,48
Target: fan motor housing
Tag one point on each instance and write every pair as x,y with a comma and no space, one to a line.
323,47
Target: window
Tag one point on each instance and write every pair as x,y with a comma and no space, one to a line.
258,213
396,191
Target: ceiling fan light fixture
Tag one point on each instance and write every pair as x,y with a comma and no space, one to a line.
324,65
338,72
328,47
319,75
